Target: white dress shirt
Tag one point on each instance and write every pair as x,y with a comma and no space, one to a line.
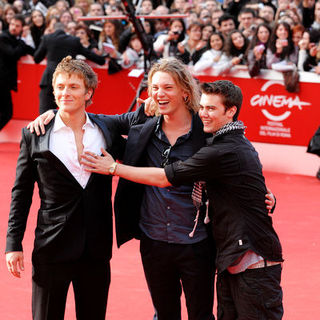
62,144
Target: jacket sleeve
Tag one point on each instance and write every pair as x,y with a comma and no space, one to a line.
309,63
203,165
123,122
90,55
41,52
21,197
15,52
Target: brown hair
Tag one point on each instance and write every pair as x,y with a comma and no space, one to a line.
81,69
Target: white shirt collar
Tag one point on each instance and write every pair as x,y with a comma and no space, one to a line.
59,124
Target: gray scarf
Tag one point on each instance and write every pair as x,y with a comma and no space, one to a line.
231,126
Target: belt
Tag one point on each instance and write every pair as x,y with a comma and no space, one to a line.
264,263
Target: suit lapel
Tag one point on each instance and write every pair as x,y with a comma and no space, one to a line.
106,134
138,138
44,150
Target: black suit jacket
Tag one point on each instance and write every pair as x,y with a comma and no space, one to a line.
11,50
72,222
57,46
129,195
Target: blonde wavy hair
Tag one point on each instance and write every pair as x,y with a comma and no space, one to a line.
182,77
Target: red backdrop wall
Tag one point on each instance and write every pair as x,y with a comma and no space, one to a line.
270,113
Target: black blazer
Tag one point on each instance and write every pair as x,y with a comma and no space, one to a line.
129,195
72,221
55,47
11,50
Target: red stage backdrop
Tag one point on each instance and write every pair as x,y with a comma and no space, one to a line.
271,114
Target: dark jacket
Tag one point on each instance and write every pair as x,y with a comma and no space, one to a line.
55,47
129,195
72,221
11,50
236,191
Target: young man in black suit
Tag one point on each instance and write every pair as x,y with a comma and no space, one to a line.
55,47
12,48
73,237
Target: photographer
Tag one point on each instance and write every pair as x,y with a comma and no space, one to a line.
166,45
246,20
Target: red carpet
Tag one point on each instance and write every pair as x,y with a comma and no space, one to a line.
297,220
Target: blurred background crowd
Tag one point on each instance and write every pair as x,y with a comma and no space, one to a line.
261,34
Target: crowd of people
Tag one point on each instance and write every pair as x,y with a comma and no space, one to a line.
214,35
267,34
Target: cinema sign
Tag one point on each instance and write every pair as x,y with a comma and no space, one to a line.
277,110
274,115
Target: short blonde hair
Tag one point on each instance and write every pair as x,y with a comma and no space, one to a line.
183,78
81,69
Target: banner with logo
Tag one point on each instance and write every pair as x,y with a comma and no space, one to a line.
274,115
270,113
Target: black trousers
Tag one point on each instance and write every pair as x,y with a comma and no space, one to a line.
254,294
50,285
5,106
169,267
46,98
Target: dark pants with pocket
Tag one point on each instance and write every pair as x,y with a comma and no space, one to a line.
254,294
170,267
50,284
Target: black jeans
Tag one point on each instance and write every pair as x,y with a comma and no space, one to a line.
168,267
254,294
50,284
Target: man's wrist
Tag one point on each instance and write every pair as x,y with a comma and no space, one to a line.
113,168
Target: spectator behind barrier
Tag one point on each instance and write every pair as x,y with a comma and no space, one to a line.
257,51
37,26
246,20
226,25
111,35
236,47
281,47
191,49
214,59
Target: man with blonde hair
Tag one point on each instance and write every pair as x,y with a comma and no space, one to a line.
73,237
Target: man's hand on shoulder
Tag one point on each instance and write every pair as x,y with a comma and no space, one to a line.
38,124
